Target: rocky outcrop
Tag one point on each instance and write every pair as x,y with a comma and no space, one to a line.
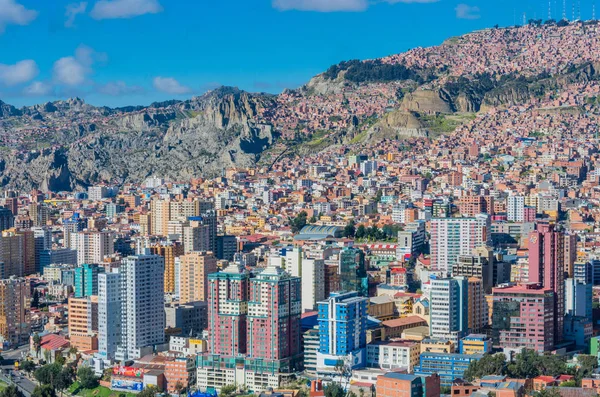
200,137
426,101
397,125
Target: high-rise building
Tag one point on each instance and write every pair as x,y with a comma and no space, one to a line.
39,214
352,271
312,274
477,314
523,318
273,321
142,305
15,316
72,225
194,269
578,298
451,237
43,241
449,308
92,247
7,219
170,252
227,246
109,314
207,218
228,311
161,215
195,238
254,329
12,254
27,244
86,280
515,208
83,323
546,268
342,331
570,253
480,264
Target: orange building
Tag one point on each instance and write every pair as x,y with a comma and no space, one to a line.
194,269
83,323
179,372
169,252
395,384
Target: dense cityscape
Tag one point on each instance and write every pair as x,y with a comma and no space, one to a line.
419,225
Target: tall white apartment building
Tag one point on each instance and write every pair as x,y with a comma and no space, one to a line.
92,247
515,208
451,237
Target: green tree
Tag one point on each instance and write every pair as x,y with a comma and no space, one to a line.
87,378
60,359
43,391
37,342
27,366
350,229
569,383
179,387
552,365
11,391
525,365
228,391
334,389
47,374
488,365
149,391
361,231
299,222
548,392
587,365
63,380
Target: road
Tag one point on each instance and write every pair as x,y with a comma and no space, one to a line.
10,375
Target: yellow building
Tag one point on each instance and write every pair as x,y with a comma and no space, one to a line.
475,344
437,346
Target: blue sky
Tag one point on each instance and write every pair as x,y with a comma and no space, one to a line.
130,52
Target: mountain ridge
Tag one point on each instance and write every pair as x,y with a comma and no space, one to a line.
424,92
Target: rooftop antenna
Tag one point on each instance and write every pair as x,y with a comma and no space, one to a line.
594,12
564,10
579,10
549,9
524,19
573,10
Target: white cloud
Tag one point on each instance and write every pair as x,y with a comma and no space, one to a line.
73,10
118,88
20,72
321,5
335,5
74,70
13,13
110,9
38,88
464,11
170,86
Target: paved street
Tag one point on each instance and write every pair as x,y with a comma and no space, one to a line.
10,375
